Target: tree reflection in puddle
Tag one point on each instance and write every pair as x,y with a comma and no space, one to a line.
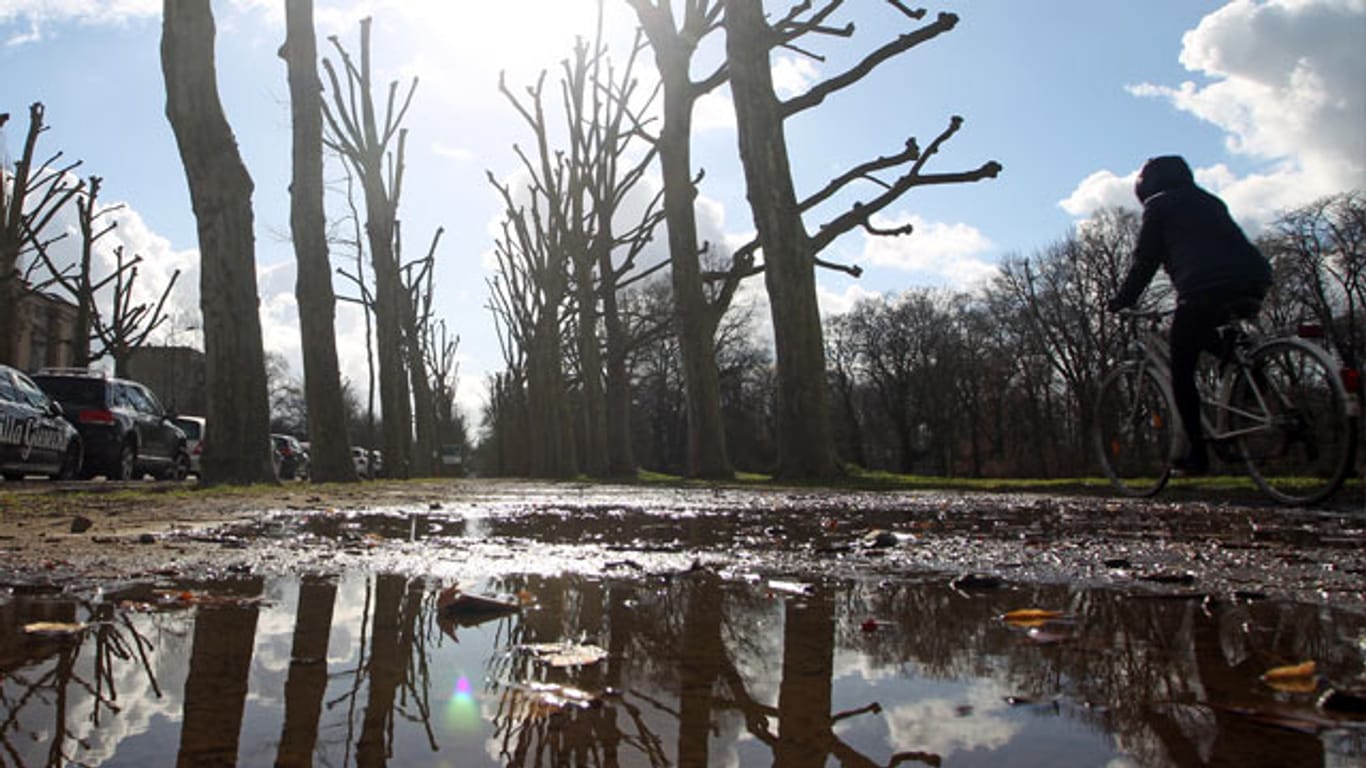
698,670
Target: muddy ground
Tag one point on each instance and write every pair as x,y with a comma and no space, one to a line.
1185,543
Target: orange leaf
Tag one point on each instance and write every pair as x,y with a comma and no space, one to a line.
1025,615
1292,672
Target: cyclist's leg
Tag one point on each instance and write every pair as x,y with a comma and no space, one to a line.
1193,329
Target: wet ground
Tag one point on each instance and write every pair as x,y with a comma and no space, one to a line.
651,626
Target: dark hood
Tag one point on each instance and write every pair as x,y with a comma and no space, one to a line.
1162,174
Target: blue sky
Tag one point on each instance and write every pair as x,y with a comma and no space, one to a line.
1266,98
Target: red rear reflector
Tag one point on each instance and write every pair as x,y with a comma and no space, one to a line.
1351,379
198,448
1309,331
96,416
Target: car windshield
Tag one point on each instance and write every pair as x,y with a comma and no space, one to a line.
79,391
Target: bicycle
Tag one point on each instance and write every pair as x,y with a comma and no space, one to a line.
1280,405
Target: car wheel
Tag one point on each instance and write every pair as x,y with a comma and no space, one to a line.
182,467
13,477
128,459
71,462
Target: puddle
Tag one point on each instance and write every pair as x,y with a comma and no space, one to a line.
689,669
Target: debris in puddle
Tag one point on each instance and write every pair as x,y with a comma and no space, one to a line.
553,697
976,581
1042,636
566,654
454,603
54,629
879,539
1293,678
791,587
1345,702
1168,577
1030,617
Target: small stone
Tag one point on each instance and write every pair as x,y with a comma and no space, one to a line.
81,524
147,538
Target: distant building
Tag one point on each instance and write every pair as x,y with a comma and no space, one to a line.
47,333
178,375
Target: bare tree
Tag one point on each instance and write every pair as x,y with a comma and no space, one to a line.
331,454
790,253
355,132
77,280
674,45
417,316
220,189
28,203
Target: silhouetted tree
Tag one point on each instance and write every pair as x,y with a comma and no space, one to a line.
790,253
220,189
355,132
29,199
330,459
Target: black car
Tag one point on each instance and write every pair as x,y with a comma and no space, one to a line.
34,438
126,431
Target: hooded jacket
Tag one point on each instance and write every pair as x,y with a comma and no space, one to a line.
1189,233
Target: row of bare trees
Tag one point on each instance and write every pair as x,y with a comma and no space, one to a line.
110,321
416,354
556,275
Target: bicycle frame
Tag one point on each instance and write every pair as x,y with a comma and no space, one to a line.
1151,346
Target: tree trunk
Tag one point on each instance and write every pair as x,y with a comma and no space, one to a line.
595,462
327,422
805,447
220,189
707,454
620,451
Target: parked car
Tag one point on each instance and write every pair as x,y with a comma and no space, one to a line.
293,461
361,458
193,427
377,464
125,431
34,438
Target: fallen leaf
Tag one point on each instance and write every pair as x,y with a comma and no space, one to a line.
1030,617
791,587
1291,672
561,655
1296,678
54,628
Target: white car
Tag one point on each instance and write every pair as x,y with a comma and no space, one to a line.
361,458
193,427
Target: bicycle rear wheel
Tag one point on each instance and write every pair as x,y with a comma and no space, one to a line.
1133,423
1289,409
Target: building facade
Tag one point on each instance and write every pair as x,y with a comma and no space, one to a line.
46,333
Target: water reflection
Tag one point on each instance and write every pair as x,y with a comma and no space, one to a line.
694,670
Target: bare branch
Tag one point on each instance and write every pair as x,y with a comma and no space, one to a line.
819,92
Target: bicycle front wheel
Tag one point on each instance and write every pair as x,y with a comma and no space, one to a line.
1289,412
1133,423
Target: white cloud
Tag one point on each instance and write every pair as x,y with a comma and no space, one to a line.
1102,189
792,76
832,303
1284,82
714,111
933,725
41,12
942,252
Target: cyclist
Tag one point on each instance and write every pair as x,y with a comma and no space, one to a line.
1217,272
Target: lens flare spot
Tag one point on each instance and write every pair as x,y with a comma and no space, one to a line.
462,710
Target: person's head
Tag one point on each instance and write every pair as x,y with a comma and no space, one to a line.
1161,174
